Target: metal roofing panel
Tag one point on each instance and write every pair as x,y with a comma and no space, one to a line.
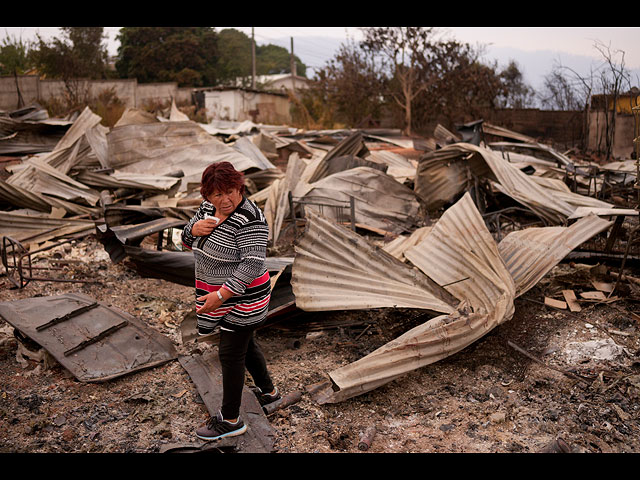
458,246
437,181
380,201
336,269
531,253
93,341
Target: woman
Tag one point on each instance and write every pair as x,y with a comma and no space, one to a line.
228,237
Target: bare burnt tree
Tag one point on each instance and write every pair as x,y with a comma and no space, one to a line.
348,89
614,78
564,87
559,92
402,50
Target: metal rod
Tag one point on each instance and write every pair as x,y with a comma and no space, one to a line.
95,339
68,316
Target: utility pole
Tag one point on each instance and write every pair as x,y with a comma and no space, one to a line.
293,69
253,60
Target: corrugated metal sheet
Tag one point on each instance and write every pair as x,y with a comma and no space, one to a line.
164,147
336,269
458,246
399,167
531,253
443,174
277,205
380,201
397,246
351,145
437,182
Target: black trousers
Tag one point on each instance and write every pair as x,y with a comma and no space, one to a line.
238,350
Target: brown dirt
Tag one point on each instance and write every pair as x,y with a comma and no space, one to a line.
487,398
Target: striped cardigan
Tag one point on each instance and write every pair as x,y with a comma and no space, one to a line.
233,256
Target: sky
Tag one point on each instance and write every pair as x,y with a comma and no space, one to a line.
535,49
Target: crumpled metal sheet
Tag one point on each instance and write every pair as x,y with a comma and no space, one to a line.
30,132
460,254
353,144
277,204
441,177
23,198
165,147
141,181
531,253
336,269
397,246
380,200
39,176
398,166
458,246
95,344
29,228
246,147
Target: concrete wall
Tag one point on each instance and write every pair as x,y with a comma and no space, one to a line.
150,93
623,136
28,86
130,92
561,128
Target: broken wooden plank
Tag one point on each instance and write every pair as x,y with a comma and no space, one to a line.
572,301
552,302
602,286
593,295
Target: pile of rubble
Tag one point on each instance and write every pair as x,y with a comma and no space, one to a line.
455,226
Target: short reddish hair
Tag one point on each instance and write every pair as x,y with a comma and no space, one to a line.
221,177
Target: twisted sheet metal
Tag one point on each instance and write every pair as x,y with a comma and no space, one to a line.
460,252
336,269
441,176
397,246
531,253
459,245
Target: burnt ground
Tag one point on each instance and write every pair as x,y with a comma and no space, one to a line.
488,398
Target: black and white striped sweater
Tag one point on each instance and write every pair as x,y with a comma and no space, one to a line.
233,256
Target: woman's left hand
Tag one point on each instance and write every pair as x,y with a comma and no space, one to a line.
211,302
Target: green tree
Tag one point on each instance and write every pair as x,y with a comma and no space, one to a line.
272,59
235,58
14,56
347,90
187,55
78,53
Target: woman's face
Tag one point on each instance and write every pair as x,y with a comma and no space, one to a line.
225,202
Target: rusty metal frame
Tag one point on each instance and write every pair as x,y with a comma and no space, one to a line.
493,220
20,270
341,216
